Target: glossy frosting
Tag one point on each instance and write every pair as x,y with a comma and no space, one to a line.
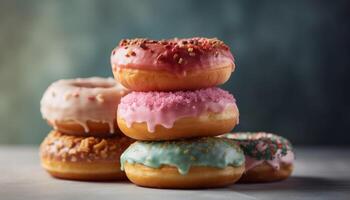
263,147
182,154
164,108
82,99
174,55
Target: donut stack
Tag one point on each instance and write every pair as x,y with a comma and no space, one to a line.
85,143
175,110
166,97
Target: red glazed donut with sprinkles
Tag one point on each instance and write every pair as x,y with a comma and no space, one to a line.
174,64
268,157
83,106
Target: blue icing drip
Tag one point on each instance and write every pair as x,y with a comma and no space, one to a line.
209,152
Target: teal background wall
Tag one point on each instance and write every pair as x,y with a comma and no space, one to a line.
292,57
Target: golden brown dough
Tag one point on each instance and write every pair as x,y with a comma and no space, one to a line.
83,158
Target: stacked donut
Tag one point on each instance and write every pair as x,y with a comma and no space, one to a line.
175,111
85,143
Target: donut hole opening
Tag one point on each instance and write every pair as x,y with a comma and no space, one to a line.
93,85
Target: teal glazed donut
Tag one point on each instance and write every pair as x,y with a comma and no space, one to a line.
182,154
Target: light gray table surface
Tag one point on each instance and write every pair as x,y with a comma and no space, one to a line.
320,173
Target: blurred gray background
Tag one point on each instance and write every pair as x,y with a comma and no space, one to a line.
292,57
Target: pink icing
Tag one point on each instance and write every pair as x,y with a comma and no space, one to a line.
164,108
165,55
81,100
250,162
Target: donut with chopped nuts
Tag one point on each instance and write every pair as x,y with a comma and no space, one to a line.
83,106
83,158
194,163
269,157
173,64
177,115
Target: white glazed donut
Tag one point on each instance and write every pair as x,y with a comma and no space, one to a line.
83,106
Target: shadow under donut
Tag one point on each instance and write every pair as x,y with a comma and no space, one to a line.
304,183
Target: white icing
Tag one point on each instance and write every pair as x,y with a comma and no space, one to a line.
81,100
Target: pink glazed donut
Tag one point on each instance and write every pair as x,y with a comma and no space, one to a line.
177,115
268,157
170,65
83,106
